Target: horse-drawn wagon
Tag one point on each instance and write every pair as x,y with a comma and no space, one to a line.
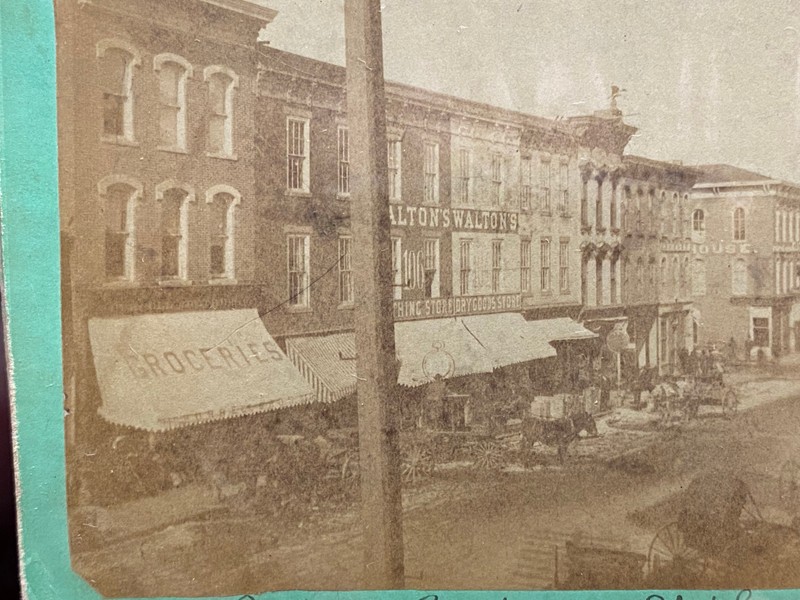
682,398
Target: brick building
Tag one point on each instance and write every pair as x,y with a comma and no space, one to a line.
745,259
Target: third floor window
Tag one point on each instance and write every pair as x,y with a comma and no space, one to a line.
297,154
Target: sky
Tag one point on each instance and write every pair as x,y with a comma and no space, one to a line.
706,81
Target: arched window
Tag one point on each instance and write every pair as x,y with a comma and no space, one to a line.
222,201
626,210
174,202
117,60
651,269
739,277
662,213
699,277
119,195
676,282
652,209
639,210
686,216
664,280
675,215
221,85
698,221
172,73
739,230
685,276
639,273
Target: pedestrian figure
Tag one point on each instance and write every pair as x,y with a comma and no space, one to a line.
732,349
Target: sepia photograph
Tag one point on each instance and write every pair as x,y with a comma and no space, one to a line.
430,294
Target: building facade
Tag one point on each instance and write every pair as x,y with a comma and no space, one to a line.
745,244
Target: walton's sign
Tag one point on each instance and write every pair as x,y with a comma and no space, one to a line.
457,219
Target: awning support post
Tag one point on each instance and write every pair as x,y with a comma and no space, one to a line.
376,368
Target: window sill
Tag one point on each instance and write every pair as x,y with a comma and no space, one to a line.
343,197
396,200
172,149
546,213
222,156
222,281
346,306
174,282
298,309
297,194
121,283
547,293
119,141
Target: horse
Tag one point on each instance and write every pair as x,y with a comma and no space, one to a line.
557,432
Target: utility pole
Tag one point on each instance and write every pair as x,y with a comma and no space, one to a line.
376,367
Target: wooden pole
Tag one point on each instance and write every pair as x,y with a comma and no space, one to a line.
376,367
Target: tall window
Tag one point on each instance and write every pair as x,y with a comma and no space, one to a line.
393,149
431,265
652,224
431,173
598,205
662,213
598,277
676,283
761,332
222,201
172,73
465,267
684,276
463,176
298,251
174,231
613,216
297,154
675,220
584,202
497,179
563,266
664,280
221,85
116,82
698,221
525,266
343,145
613,279
544,185
626,210
345,269
651,272
639,275
120,243
544,259
526,190
640,210
739,277
563,195
397,268
497,264
699,277
738,224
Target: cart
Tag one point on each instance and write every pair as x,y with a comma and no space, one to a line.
720,540
682,398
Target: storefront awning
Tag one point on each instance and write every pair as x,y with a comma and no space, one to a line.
158,372
508,339
561,329
327,362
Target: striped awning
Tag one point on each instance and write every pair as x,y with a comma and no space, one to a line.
327,362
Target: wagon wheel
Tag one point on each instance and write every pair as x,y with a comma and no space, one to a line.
488,456
730,402
789,485
669,551
417,463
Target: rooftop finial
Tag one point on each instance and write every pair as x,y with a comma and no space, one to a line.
616,92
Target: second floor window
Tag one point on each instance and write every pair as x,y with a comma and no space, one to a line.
563,266
431,173
497,265
465,267
172,75
394,158
116,82
397,268
298,249
297,153
739,231
431,268
739,277
120,243
174,233
345,270
222,227
497,179
544,260
221,85
525,266
526,189
344,161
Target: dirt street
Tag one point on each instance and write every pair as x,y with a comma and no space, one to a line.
479,531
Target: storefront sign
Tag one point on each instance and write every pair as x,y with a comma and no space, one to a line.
456,219
432,308
723,248
788,247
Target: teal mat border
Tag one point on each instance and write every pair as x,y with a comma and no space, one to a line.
30,249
